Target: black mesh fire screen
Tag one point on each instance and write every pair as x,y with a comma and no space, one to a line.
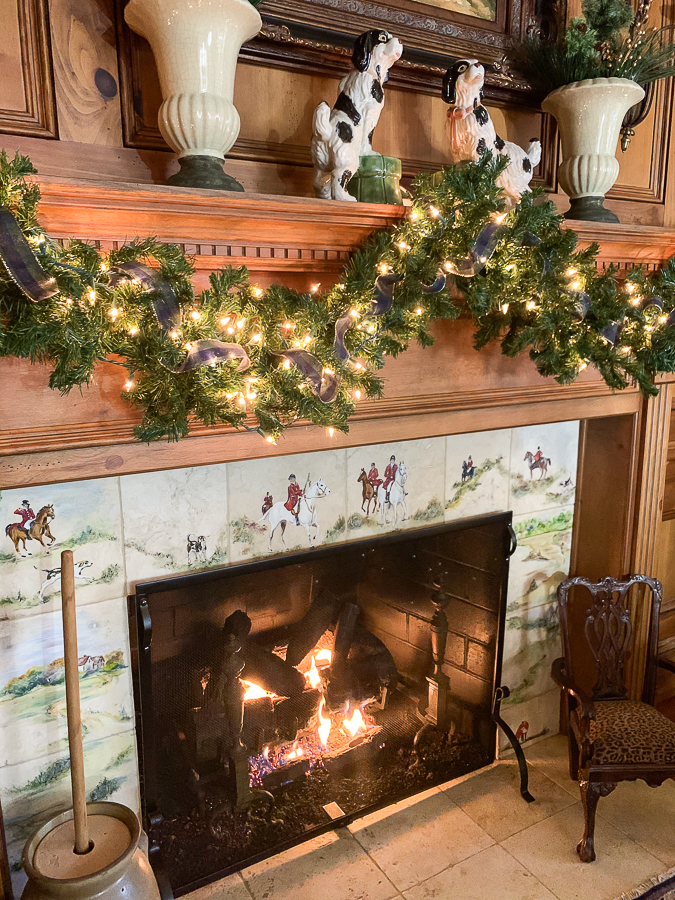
286,696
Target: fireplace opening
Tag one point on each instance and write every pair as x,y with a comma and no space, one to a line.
281,698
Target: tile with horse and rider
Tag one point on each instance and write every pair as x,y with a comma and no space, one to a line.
41,521
543,466
286,503
174,521
477,473
395,485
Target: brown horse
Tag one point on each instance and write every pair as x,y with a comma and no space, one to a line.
39,529
542,464
369,493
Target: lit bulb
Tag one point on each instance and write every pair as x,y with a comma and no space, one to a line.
225,320
91,293
636,300
571,272
357,394
505,308
371,329
256,338
358,365
630,287
287,364
355,313
384,268
414,215
128,385
289,326
434,212
104,267
663,320
315,287
258,291
531,304
69,302
331,432
328,371
448,266
403,246
230,395
133,330
252,395
510,267
498,218
113,312
576,285
582,366
241,323
230,330
188,346
270,439
174,335
241,401
418,311
306,340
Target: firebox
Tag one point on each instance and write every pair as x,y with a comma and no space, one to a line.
281,698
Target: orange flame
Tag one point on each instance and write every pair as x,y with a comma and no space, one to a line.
356,723
295,753
324,724
324,656
313,676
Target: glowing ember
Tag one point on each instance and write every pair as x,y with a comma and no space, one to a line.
355,723
324,724
313,677
254,691
324,656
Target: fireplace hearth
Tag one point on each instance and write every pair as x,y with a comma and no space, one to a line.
280,698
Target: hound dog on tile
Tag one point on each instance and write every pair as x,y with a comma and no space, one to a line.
472,133
345,133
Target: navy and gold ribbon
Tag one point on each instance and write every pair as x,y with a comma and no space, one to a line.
20,261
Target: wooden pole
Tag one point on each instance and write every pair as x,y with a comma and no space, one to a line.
73,702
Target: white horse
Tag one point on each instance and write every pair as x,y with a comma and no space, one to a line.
279,515
397,496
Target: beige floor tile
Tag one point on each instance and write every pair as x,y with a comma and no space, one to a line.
420,838
493,799
492,874
551,756
230,888
330,867
645,814
547,849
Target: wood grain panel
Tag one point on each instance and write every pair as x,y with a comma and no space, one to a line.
85,71
27,104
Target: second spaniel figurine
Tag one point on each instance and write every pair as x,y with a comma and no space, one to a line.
345,133
472,133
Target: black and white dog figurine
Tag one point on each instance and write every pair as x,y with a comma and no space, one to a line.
472,133
345,133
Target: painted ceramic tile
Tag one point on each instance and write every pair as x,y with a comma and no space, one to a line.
531,643
541,560
535,718
32,689
34,791
543,466
477,473
413,472
174,521
263,498
83,516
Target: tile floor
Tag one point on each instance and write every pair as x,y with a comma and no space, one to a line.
476,839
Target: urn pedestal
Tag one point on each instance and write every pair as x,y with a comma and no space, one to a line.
589,115
196,46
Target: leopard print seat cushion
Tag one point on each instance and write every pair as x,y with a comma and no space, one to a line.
626,731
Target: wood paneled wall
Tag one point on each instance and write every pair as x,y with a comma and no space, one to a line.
72,70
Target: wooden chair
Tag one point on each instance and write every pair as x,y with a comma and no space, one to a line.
611,738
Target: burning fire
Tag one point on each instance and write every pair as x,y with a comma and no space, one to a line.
313,676
324,724
254,691
355,723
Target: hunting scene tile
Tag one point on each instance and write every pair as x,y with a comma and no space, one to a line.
531,720
286,503
531,644
37,789
174,521
40,522
396,485
477,473
543,466
32,680
541,560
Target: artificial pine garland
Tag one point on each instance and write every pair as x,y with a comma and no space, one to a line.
530,289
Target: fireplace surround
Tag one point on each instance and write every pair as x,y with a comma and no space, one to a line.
376,682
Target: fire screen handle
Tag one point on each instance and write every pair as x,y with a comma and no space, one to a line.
513,546
501,694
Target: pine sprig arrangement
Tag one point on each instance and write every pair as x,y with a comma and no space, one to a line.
526,295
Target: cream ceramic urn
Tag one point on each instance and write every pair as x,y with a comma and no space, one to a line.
196,44
589,116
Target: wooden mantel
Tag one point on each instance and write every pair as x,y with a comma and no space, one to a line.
297,241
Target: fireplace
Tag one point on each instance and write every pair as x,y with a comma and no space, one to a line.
280,698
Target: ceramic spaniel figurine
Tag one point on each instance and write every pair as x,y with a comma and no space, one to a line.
472,133
345,133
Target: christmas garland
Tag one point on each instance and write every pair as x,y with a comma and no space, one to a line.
279,356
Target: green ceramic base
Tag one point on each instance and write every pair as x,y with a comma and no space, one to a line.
590,209
204,172
377,180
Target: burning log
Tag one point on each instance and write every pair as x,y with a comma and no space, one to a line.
344,633
321,615
272,673
368,671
